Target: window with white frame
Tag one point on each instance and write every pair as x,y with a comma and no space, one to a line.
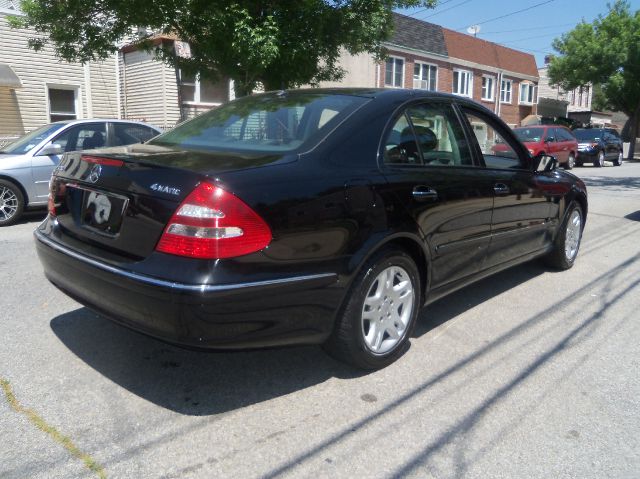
195,90
506,89
462,82
394,72
63,103
488,87
425,76
527,93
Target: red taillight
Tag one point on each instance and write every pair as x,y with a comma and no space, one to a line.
51,205
212,223
98,160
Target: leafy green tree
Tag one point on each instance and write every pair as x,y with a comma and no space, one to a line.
605,52
279,43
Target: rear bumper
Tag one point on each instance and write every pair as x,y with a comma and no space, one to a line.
295,310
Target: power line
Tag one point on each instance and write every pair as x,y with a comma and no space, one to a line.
429,8
507,14
446,9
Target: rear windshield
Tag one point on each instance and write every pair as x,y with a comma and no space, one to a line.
529,134
588,134
273,122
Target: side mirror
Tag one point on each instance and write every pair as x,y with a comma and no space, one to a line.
51,149
544,163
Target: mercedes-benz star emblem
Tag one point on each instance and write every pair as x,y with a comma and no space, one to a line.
94,175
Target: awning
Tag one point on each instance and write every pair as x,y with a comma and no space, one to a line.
8,77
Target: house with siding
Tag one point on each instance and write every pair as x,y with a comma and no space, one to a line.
37,88
154,92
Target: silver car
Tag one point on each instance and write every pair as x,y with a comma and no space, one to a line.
26,164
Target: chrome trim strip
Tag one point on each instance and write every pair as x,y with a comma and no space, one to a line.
203,288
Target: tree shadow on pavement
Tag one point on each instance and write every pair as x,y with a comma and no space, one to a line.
626,183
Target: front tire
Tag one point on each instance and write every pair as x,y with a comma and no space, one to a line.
599,161
618,160
11,203
380,314
567,242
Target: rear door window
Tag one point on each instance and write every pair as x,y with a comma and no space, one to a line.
427,134
82,137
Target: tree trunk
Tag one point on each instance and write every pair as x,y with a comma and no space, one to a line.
633,132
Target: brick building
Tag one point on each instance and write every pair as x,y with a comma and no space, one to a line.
427,56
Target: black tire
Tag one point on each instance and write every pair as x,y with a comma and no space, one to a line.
571,162
559,258
348,341
618,160
11,203
599,161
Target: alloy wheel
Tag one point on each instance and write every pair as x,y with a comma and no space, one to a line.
8,203
572,235
387,310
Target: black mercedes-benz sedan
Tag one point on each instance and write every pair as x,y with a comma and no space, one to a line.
298,217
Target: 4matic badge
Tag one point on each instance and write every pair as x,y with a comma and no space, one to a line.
165,189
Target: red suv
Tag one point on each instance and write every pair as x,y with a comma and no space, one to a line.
552,140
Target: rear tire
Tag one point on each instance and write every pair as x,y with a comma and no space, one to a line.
374,327
618,160
567,242
11,203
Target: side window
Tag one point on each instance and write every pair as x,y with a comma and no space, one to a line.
440,136
427,134
400,146
496,150
82,137
552,135
127,134
565,135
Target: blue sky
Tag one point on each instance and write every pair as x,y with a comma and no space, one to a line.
532,30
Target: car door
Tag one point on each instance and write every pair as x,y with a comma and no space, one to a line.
560,149
431,172
520,221
85,136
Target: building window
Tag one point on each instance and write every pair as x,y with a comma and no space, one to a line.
63,104
394,72
462,82
195,90
506,87
527,93
425,76
488,87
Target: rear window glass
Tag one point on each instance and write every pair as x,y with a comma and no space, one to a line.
529,134
273,122
588,134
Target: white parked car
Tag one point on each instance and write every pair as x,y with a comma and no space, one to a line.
26,164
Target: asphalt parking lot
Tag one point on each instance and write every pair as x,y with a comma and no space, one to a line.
532,373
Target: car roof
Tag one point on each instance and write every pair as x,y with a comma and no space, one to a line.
80,121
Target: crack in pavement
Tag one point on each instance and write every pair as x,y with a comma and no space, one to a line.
51,431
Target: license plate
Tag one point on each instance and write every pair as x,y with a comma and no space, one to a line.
103,211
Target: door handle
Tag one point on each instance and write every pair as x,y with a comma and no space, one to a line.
424,193
501,189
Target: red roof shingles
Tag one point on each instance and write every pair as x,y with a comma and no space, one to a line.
466,47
